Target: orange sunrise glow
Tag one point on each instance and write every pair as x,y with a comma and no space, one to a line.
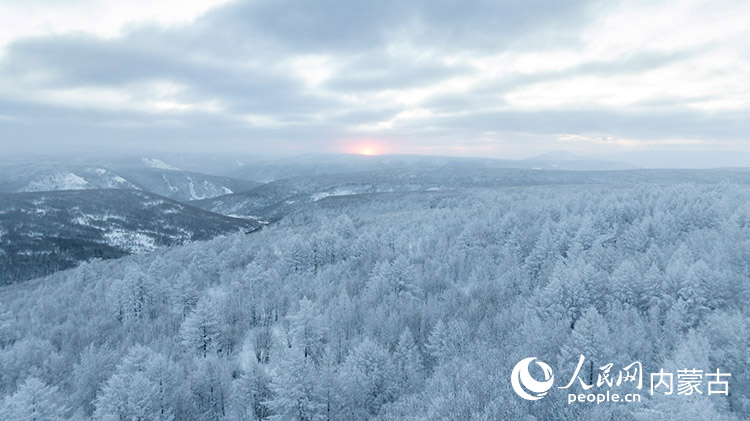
365,149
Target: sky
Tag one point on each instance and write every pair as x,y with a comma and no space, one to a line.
490,78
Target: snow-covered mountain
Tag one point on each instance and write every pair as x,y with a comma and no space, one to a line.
184,186
419,294
686,159
564,160
157,163
47,231
274,200
178,185
319,164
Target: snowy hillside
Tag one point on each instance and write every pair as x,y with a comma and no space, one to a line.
274,200
178,185
400,306
319,164
44,232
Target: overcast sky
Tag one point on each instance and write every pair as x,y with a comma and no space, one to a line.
473,78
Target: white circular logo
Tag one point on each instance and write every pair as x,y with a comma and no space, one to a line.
522,381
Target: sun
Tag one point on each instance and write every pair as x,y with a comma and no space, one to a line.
366,149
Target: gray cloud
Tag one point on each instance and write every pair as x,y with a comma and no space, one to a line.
331,25
377,71
239,59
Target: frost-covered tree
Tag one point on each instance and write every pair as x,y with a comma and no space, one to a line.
409,363
306,329
296,388
591,338
413,307
209,388
90,374
201,330
367,380
145,386
33,401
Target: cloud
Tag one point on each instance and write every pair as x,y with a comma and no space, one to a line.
425,76
103,18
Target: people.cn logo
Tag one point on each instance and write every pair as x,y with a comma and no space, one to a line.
526,386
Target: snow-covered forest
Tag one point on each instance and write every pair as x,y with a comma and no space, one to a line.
327,210
397,306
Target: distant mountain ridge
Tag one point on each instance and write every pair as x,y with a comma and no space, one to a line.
695,159
43,232
564,160
560,155
175,184
274,200
320,164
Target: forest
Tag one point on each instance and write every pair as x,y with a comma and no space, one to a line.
397,306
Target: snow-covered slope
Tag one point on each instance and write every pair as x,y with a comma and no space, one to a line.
184,186
48,231
564,160
178,185
274,200
157,163
320,164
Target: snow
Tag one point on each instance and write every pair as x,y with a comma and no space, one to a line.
157,163
87,218
153,203
246,355
191,186
134,242
93,178
34,253
249,218
58,181
119,180
169,184
116,181
82,219
207,190
111,180
338,192
319,196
